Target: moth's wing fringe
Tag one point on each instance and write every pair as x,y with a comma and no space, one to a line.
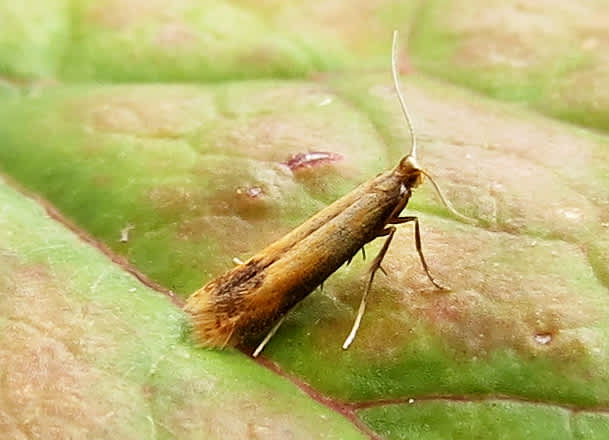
210,328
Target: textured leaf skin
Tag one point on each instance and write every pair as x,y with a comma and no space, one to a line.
178,179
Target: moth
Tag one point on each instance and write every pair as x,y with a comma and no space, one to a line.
255,297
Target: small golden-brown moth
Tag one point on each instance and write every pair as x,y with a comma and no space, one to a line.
254,298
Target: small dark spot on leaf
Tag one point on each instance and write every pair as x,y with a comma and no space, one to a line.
148,390
250,202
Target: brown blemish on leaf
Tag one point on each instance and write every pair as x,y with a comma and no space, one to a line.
250,202
247,201
225,212
149,391
241,199
232,187
226,207
306,161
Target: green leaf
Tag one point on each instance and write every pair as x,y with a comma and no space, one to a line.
152,188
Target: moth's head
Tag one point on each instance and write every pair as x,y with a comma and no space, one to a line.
410,171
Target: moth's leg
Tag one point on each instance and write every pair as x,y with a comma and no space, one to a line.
237,261
363,255
376,265
417,242
272,332
269,335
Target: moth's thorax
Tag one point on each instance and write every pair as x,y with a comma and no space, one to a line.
409,172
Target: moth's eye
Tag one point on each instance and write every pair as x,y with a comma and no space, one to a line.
420,179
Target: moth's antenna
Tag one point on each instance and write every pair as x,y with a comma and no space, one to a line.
447,204
396,84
